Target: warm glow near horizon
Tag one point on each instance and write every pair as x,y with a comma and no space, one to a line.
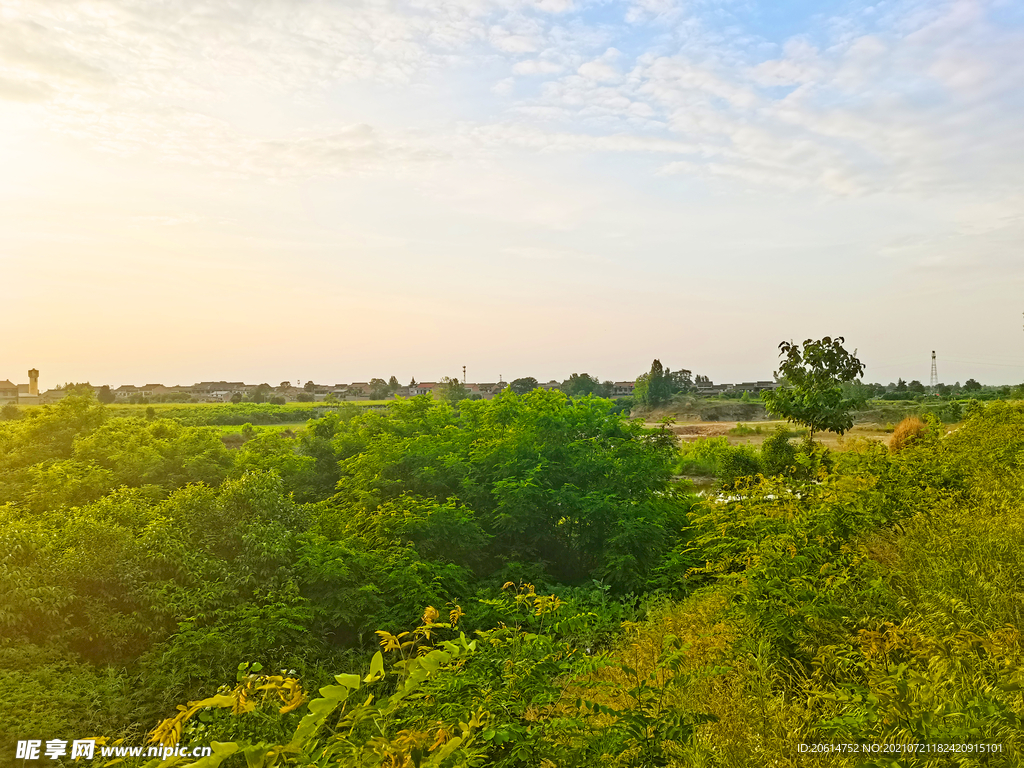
341,190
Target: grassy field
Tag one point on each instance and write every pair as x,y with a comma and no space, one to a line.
755,433
226,429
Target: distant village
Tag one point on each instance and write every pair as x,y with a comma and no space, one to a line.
286,392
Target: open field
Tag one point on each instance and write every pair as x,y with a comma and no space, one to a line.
226,429
736,432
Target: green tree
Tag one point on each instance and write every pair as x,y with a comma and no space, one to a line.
971,386
582,384
104,395
452,390
236,398
813,378
655,386
916,387
682,380
379,389
524,385
261,393
309,386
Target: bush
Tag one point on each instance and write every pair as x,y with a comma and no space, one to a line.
778,455
701,457
906,432
714,456
737,462
741,430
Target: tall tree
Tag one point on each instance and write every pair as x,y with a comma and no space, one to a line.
813,378
655,386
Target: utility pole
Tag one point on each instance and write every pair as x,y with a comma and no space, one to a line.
463,375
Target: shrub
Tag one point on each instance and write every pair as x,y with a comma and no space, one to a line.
906,432
741,430
701,457
777,454
737,462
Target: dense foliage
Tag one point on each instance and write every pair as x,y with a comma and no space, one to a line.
144,547
514,583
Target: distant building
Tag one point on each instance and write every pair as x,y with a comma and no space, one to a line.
622,389
709,389
21,394
8,391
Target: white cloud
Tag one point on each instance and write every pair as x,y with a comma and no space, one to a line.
602,69
537,67
645,11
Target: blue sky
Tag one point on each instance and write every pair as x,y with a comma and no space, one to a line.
338,190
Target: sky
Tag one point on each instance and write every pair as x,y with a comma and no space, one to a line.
269,190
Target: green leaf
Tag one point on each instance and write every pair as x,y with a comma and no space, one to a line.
352,681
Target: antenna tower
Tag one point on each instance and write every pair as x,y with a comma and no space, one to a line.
935,376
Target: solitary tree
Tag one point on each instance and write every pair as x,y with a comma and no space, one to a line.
309,386
104,395
812,394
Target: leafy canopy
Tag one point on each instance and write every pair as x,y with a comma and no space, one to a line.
813,393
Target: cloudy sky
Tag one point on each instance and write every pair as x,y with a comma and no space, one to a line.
285,189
